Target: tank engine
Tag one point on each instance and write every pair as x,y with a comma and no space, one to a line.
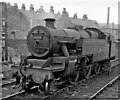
64,54
43,41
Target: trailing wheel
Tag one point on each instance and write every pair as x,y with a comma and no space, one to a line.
107,67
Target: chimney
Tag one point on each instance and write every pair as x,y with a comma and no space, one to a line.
31,7
51,9
15,5
108,15
8,4
23,7
58,13
85,17
64,12
41,9
75,16
50,22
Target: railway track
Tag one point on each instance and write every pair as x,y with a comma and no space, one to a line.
16,93
113,64
88,87
110,83
67,88
111,91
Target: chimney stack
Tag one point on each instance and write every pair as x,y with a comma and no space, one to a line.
15,5
41,9
51,9
23,7
64,12
8,4
58,13
31,7
108,15
85,17
50,22
75,16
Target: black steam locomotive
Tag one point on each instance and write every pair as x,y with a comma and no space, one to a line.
59,55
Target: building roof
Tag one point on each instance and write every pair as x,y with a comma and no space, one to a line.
115,26
85,23
62,20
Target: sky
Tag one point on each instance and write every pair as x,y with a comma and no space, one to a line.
95,9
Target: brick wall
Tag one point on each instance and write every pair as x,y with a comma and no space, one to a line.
17,22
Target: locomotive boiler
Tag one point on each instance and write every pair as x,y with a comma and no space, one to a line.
59,55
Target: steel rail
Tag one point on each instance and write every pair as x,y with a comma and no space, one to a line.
7,83
17,93
104,87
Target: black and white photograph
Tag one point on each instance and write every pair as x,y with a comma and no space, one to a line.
59,50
